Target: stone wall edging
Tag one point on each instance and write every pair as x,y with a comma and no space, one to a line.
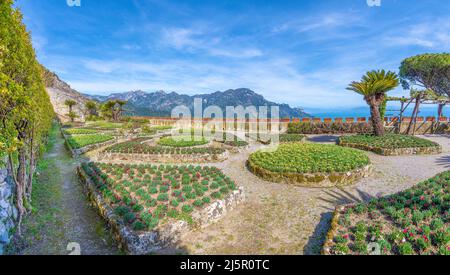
329,240
435,150
316,180
168,235
162,158
8,210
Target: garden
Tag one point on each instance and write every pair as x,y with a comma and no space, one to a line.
82,140
144,195
413,222
391,144
310,164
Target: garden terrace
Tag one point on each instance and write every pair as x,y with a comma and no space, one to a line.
182,141
80,131
139,150
80,141
313,165
104,125
137,199
413,222
336,127
391,144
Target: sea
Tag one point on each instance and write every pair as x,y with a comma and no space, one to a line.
392,110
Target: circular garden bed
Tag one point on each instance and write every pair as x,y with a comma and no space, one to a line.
391,144
312,165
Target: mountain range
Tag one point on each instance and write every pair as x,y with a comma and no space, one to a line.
140,103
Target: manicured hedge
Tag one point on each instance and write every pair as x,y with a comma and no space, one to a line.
389,141
412,222
309,158
144,195
310,128
80,141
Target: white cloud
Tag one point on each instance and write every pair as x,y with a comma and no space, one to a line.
197,40
430,34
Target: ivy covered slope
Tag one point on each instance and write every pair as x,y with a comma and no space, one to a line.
309,158
145,195
26,112
415,221
389,143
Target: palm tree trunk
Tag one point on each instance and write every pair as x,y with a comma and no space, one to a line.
377,123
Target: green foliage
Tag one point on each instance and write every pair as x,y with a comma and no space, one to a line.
312,128
309,158
389,141
26,113
137,146
80,131
80,141
429,71
182,141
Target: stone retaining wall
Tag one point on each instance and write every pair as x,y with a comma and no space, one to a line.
395,151
312,179
8,211
165,236
161,158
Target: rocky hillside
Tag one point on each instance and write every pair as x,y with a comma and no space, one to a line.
161,103
59,92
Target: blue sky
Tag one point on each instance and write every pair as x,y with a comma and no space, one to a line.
299,52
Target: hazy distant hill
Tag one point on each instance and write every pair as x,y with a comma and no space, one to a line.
161,103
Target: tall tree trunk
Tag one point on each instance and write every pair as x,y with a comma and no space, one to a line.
441,110
20,186
32,167
414,115
377,122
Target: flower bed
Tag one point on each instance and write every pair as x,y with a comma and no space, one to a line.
391,144
138,150
80,141
415,221
182,141
148,206
314,128
105,125
80,131
314,165
282,138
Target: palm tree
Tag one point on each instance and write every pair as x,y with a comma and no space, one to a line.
374,86
70,103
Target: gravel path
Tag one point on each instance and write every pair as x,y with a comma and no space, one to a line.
283,219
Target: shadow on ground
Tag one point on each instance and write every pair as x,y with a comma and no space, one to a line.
444,161
323,139
331,198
